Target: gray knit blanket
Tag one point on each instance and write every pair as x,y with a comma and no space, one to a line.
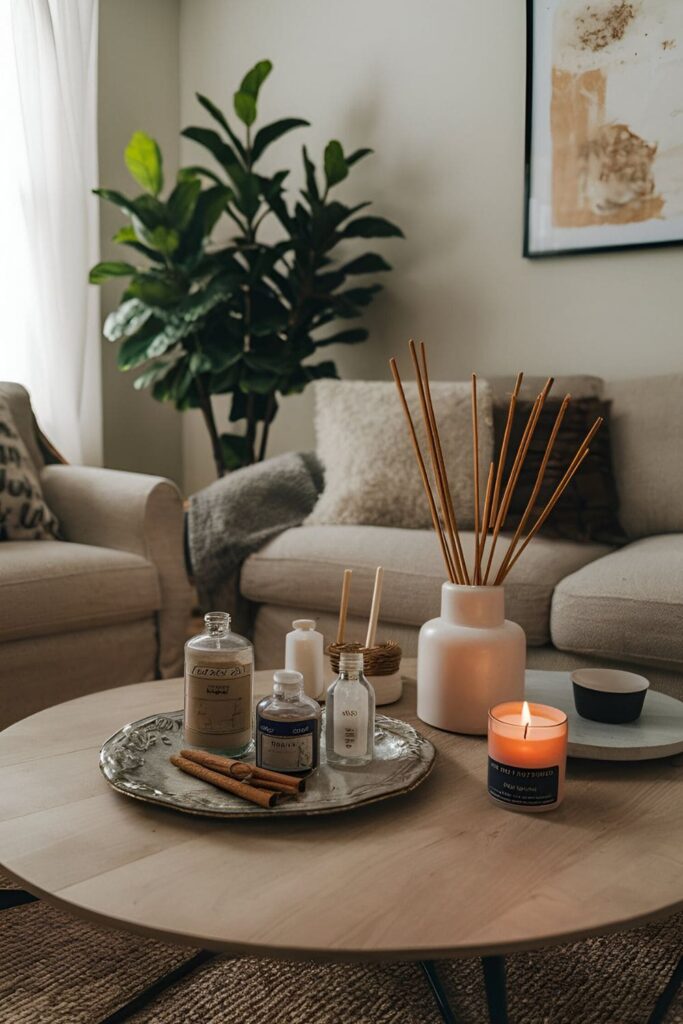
238,514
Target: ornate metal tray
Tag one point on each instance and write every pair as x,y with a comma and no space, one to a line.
135,761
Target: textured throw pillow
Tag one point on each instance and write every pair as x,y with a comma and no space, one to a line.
23,512
588,509
371,476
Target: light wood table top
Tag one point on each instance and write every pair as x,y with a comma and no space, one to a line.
439,872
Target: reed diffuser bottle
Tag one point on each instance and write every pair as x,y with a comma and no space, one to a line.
350,715
219,674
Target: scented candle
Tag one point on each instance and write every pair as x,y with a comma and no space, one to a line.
527,756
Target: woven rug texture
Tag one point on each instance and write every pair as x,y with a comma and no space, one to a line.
55,969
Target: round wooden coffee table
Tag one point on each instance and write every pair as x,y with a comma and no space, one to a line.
438,873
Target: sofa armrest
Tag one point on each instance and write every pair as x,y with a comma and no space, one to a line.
130,512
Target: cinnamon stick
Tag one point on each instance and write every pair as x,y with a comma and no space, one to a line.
241,770
262,797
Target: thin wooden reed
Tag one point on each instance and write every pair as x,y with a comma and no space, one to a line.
475,456
502,458
344,605
450,570
458,553
438,466
485,520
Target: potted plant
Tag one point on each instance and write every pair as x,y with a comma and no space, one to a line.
244,318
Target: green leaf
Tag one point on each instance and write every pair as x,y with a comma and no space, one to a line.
335,165
111,196
182,202
350,337
102,271
187,173
143,160
254,79
211,140
235,451
219,116
271,132
357,155
125,235
153,291
157,371
369,263
371,227
125,320
245,107
139,347
311,184
162,239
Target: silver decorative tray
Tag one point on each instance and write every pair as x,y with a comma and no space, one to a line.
135,761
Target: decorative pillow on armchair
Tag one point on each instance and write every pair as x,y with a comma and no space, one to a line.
23,512
371,476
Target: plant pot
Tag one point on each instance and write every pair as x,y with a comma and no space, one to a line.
468,659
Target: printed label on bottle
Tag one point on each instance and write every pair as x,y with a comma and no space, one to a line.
526,787
287,746
218,704
351,727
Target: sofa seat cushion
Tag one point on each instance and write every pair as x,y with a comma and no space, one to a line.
303,568
56,587
628,605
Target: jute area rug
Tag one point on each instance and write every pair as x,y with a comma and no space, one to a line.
55,969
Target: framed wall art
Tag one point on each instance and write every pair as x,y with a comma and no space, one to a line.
604,131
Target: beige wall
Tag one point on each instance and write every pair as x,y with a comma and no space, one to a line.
138,89
437,89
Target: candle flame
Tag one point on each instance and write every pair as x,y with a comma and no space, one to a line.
526,714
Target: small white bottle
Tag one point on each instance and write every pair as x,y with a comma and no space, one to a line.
304,648
350,715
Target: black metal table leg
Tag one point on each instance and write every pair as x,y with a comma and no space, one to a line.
144,997
667,996
496,993
15,898
438,991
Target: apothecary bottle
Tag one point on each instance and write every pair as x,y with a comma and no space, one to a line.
288,727
350,715
219,682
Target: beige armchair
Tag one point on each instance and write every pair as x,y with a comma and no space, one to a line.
106,606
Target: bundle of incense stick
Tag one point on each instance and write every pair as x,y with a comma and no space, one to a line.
489,518
257,785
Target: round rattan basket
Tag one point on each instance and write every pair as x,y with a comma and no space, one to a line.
381,664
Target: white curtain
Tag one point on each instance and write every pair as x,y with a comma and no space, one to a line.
56,335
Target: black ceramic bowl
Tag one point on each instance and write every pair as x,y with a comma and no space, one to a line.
609,695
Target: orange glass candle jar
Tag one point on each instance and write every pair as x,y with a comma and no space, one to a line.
527,756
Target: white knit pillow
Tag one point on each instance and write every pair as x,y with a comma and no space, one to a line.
371,475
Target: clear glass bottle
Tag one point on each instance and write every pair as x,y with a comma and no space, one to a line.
219,684
350,715
288,727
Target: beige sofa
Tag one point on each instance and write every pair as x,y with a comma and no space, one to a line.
578,603
107,606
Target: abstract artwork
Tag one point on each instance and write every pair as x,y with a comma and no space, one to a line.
604,140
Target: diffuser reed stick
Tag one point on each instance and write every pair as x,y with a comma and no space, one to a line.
344,604
499,492
374,610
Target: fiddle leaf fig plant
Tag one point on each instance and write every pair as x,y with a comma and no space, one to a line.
245,318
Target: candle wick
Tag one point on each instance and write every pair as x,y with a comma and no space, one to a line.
526,729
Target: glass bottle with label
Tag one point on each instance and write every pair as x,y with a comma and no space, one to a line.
350,715
219,678
288,727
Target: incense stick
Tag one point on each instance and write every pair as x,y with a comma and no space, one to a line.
344,604
374,610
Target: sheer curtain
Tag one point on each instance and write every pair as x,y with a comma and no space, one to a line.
48,77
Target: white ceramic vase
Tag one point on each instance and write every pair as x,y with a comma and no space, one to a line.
468,659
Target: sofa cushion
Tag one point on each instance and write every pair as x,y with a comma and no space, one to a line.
628,605
646,427
24,513
303,568
17,398
55,587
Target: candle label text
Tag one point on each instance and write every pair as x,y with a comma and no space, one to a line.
528,787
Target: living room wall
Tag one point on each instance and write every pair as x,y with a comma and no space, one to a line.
138,89
437,90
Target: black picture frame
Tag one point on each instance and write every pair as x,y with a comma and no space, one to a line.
527,252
